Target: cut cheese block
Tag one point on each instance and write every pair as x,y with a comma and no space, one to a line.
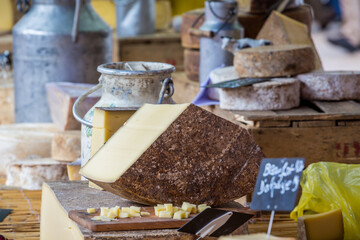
276,94
274,61
61,97
280,30
73,169
192,64
257,236
19,141
330,86
7,113
66,146
30,174
261,6
106,122
323,226
59,198
170,153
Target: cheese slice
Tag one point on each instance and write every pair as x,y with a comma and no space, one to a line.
323,226
280,30
177,146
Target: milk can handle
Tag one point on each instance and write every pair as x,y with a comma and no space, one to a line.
80,100
167,90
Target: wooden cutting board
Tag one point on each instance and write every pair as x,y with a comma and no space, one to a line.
135,223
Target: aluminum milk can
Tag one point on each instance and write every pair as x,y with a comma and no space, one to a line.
128,85
56,41
220,21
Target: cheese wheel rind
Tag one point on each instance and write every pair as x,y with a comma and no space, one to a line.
330,86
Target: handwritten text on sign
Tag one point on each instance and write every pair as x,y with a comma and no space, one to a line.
277,184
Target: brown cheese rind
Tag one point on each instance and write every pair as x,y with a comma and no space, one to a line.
200,158
274,61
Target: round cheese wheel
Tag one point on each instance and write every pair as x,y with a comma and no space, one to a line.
276,94
30,174
274,61
330,86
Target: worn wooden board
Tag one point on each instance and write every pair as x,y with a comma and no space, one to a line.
150,47
137,223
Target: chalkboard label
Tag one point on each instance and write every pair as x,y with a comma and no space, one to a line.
277,184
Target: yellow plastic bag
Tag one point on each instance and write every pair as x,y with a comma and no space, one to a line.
327,186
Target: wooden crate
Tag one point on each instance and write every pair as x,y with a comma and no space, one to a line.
318,131
159,47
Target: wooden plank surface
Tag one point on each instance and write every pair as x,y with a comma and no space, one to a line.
348,107
24,222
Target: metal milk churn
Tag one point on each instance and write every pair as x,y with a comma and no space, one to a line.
125,85
56,41
220,21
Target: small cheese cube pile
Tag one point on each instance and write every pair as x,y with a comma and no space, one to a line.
108,214
167,210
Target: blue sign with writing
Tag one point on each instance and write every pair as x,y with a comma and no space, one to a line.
277,184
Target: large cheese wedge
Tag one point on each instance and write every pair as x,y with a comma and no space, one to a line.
257,236
176,153
330,86
30,174
61,97
66,146
106,122
274,61
280,30
323,226
276,94
7,113
20,141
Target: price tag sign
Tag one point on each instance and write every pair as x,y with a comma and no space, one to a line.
277,184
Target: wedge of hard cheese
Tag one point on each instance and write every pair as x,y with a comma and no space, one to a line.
280,29
258,236
30,174
66,146
276,94
330,86
328,225
274,61
176,153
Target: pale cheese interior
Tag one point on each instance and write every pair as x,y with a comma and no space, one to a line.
131,141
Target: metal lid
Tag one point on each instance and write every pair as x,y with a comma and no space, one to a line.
136,68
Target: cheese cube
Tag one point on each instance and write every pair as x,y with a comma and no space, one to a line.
168,207
158,210
187,207
96,218
116,210
112,214
90,210
105,219
135,215
144,213
104,211
176,209
125,209
179,215
124,215
187,214
165,214
136,209
202,207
